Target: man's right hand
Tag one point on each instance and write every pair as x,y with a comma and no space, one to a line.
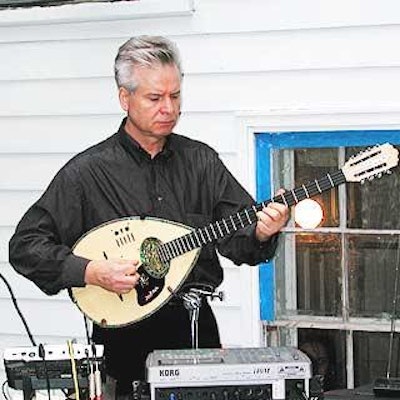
119,276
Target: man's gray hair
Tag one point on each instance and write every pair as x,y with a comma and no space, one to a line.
143,51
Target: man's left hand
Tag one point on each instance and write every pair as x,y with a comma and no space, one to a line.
271,219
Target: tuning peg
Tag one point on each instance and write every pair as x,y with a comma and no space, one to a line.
389,172
370,178
362,181
379,175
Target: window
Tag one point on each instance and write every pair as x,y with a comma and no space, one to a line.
331,290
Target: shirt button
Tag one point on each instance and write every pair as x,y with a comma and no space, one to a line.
159,198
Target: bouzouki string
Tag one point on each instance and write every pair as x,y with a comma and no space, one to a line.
219,229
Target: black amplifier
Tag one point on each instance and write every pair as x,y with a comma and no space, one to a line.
32,368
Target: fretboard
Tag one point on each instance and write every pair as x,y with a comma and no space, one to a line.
214,231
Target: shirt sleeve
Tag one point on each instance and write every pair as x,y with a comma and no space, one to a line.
40,248
242,247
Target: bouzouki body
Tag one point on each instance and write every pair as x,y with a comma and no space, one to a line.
167,251
123,239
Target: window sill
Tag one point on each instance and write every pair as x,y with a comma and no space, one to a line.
89,12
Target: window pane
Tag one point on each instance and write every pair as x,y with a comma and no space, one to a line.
372,271
376,204
308,165
371,355
317,278
318,274
326,350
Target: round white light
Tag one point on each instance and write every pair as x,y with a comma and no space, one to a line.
308,214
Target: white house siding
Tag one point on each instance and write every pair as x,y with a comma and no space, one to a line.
254,57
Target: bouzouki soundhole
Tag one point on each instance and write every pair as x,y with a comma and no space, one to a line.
150,258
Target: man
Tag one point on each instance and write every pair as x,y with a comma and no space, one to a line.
143,170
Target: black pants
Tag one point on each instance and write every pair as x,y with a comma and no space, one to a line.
126,349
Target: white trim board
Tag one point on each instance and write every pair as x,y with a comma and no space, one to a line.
90,12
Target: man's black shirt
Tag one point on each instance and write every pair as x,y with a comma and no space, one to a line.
186,182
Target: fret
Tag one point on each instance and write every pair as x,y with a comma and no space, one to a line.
208,235
248,216
318,187
330,180
191,238
213,231
161,252
174,248
306,191
198,240
233,223
219,228
226,226
188,246
339,179
202,236
284,200
294,196
240,220
179,243
177,247
168,250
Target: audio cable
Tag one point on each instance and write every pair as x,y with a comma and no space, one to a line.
73,367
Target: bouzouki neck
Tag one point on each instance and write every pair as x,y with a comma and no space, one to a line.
366,165
226,226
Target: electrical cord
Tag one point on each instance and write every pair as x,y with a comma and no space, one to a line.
88,336
3,390
14,300
42,355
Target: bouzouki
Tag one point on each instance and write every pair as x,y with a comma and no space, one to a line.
169,250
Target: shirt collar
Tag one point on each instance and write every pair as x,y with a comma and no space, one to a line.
137,151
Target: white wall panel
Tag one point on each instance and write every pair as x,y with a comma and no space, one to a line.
58,59
212,93
295,89
60,97
30,171
289,50
71,134
46,317
233,328
259,51
14,204
22,288
214,17
55,134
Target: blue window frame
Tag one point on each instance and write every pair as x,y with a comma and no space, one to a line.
266,142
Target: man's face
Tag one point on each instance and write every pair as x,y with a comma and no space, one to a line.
153,108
